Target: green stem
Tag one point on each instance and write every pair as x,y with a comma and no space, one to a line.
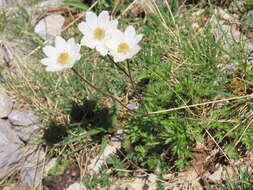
118,66
97,89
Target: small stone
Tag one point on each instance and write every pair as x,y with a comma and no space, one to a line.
250,13
22,117
111,148
49,27
5,104
50,4
52,163
76,186
132,106
216,177
249,46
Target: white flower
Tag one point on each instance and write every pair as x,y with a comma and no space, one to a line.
124,45
62,56
97,30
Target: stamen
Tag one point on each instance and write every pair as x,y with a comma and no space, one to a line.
99,33
123,47
64,58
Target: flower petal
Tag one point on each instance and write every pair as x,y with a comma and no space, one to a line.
84,28
46,61
53,68
114,24
130,32
134,51
89,42
50,51
103,17
138,38
101,49
91,19
60,43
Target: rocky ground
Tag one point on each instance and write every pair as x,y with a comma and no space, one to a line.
23,162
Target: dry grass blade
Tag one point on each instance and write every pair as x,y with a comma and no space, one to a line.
201,104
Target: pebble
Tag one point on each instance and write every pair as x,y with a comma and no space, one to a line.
216,176
76,186
5,104
23,117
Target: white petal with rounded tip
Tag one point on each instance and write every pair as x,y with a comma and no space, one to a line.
84,28
88,42
71,45
91,19
53,68
102,50
103,17
135,50
114,24
130,32
138,38
46,61
50,51
60,43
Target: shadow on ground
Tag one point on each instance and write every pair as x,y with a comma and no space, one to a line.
86,116
54,133
90,115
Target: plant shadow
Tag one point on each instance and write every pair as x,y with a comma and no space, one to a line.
89,115
54,133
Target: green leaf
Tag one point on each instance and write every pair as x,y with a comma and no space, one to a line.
76,3
89,133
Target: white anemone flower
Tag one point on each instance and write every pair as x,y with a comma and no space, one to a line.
64,55
124,45
97,30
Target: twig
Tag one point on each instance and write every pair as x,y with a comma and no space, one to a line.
217,145
201,104
246,128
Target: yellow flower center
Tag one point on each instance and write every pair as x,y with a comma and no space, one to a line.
99,33
123,47
64,58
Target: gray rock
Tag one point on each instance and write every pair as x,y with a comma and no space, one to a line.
250,13
23,117
6,4
11,151
32,171
5,104
7,134
25,132
3,4
11,158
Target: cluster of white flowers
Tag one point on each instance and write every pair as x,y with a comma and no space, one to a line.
100,33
